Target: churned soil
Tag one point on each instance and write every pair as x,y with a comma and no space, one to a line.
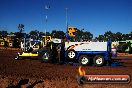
29,73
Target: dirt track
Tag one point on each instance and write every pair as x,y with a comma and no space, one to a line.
45,75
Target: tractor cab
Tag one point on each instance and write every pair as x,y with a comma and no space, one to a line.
29,48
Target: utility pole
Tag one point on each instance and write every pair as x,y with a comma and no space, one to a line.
66,19
46,17
46,20
47,7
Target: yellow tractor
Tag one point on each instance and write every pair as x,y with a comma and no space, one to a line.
9,40
30,48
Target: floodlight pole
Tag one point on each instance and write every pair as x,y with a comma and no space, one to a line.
46,15
66,19
46,19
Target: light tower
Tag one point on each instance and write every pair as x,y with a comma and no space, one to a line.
46,16
66,19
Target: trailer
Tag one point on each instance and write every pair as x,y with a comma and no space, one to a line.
86,53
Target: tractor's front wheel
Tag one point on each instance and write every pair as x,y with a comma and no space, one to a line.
45,57
18,57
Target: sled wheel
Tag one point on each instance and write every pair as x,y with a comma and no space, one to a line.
98,60
84,60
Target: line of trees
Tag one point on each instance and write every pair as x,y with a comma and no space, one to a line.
118,36
80,35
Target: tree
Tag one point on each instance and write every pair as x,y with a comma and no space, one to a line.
3,33
34,34
79,35
109,35
118,36
101,38
58,34
87,36
128,36
83,36
41,33
21,28
11,33
123,37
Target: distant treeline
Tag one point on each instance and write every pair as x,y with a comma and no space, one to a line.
80,35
